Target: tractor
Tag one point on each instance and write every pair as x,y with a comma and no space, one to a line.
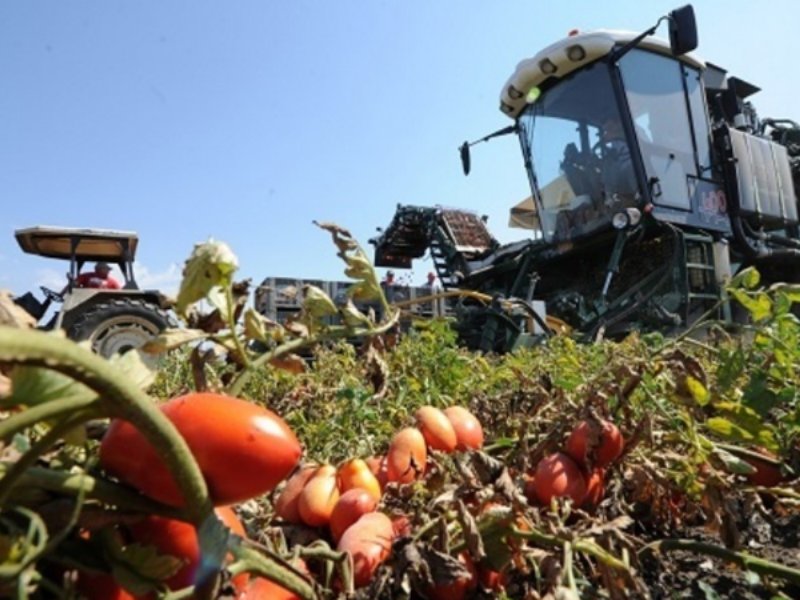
112,320
653,181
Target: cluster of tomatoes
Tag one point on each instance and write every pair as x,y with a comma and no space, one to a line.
346,499
246,458
578,472
257,450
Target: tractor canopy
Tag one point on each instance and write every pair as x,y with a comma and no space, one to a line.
79,244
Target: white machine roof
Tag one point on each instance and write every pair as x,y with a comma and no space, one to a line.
595,44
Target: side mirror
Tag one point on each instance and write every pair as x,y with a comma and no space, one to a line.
682,30
465,158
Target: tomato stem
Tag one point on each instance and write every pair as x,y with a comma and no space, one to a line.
42,445
120,397
743,559
236,387
256,562
42,412
75,484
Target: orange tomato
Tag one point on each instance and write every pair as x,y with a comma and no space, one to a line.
558,476
437,429
318,497
355,473
469,431
369,542
351,506
286,506
608,448
405,460
179,539
264,589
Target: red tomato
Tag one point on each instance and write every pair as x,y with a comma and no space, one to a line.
286,504
264,589
354,474
595,488
318,497
242,449
351,506
557,476
100,586
608,447
490,579
437,429
179,539
468,429
459,589
407,455
766,473
369,542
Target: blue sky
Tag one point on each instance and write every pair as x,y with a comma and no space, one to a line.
246,120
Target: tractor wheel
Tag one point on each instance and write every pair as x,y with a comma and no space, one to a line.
119,325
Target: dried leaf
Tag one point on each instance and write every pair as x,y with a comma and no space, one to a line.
12,314
291,362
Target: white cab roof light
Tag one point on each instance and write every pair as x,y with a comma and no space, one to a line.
570,54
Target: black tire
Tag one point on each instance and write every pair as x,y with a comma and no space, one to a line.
119,325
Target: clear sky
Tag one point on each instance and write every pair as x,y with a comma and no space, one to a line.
246,120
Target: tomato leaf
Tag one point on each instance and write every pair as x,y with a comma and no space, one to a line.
136,368
169,339
748,279
31,386
758,304
733,463
211,265
697,390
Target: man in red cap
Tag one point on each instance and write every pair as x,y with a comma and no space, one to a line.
99,278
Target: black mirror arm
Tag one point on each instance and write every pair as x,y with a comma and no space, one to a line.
623,50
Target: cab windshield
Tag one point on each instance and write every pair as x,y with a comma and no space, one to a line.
581,169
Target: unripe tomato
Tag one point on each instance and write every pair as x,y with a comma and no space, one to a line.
355,473
608,449
557,476
406,457
242,449
286,506
369,542
318,497
179,539
595,488
264,589
351,506
469,432
459,589
437,429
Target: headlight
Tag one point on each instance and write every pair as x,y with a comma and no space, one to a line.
620,220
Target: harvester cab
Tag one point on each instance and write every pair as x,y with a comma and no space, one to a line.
652,181
113,320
